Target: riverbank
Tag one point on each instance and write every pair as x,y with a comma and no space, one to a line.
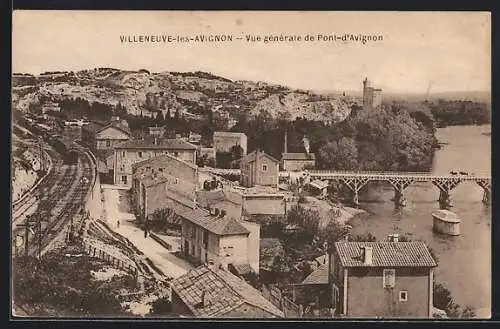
467,149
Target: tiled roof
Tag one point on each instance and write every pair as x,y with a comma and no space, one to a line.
318,276
223,292
299,156
207,198
159,158
219,225
93,127
161,144
228,134
116,125
386,254
242,269
252,156
319,184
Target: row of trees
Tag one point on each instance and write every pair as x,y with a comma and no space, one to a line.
388,139
450,113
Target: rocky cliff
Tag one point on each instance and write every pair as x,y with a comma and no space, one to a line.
192,94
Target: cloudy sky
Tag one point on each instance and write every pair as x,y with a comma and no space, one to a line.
446,51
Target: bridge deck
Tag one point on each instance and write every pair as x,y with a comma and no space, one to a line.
417,176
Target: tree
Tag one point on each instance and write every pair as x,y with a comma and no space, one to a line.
341,155
161,306
159,120
236,152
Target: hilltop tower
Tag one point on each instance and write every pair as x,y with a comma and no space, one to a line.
372,97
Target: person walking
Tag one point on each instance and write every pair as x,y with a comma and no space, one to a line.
118,223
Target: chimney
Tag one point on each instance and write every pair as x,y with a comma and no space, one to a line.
367,255
204,299
285,149
395,237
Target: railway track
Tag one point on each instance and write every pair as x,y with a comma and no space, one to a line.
62,196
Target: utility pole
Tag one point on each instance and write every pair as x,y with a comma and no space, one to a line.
42,157
28,223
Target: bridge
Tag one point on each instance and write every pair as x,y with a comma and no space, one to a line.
356,180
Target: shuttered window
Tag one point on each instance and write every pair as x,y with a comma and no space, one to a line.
389,278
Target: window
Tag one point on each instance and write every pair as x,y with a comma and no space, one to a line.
176,154
124,179
264,167
122,167
403,296
108,143
140,154
160,169
123,154
389,278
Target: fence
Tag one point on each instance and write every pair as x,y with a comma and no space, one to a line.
110,259
275,296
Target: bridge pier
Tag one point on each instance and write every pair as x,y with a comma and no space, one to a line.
486,185
399,185
445,185
355,184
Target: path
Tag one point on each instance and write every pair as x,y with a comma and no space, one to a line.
116,208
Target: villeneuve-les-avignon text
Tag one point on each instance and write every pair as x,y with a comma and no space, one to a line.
221,38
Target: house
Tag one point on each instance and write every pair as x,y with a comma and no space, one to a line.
263,200
162,181
212,292
89,133
50,107
166,192
226,199
298,161
112,135
194,138
157,131
318,187
223,141
314,289
259,168
134,151
213,236
389,279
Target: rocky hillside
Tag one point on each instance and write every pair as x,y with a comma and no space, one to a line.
191,94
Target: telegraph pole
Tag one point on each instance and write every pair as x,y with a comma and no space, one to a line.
42,157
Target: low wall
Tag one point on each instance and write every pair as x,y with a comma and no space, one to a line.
93,202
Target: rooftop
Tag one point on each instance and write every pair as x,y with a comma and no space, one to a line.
159,158
299,156
318,276
207,198
161,144
220,225
253,155
228,134
222,290
386,254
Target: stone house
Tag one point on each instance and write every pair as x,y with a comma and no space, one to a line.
131,152
162,181
223,141
387,279
213,236
259,168
298,161
213,292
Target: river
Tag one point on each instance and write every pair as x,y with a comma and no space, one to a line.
464,261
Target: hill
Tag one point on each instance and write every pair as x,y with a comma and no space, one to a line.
193,94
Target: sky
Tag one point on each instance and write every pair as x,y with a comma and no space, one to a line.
420,51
